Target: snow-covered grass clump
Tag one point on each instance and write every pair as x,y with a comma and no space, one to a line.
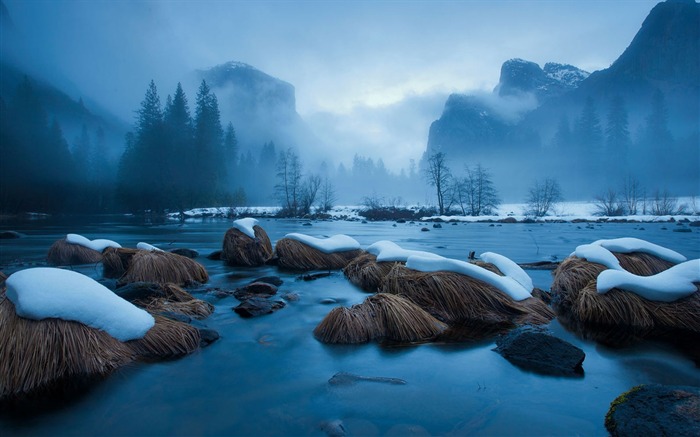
387,251
509,268
45,292
333,244
97,244
506,284
668,286
629,245
246,225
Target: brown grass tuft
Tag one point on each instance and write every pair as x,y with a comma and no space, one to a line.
39,355
166,339
380,317
458,299
176,300
365,272
153,266
295,255
62,253
241,250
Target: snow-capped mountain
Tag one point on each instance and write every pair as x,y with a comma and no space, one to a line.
519,76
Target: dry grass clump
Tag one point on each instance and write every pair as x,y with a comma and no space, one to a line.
133,265
174,299
167,339
241,250
368,274
458,299
623,308
62,253
295,255
380,317
35,355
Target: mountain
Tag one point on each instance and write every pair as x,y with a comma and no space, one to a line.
262,108
535,116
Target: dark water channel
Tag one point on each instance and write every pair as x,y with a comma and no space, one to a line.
269,376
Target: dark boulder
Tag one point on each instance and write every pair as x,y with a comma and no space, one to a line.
216,255
655,409
189,253
140,291
536,350
207,336
257,306
255,289
274,280
9,235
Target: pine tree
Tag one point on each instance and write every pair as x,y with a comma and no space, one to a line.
231,151
657,135
589,136
208,143
617,136
179,136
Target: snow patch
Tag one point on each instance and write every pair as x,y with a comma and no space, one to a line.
148,247
99,244
246,226
46,292
598,254
509,268
504,283
335,243
668,286
387,251
629,244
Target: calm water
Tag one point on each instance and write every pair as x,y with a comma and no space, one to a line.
269,376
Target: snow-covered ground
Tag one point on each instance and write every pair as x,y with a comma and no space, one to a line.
564,211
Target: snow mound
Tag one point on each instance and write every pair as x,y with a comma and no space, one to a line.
45,292
246,225
668,286
629,244
335,243
149,247
508,268
99,244
504,283
387,251
598,254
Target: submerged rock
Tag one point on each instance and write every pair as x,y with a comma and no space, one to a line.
536,350
333,428
345,378
274,280
9,235
255,289
655,409
189,253
216,255
257,306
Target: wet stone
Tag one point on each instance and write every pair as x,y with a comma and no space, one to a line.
255,289
257,306
189,253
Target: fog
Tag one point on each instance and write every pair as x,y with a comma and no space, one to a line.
369,78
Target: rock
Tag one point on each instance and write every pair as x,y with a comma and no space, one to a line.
207,336
345,378
684,229
327,301
189,253
258,306
655,409
274,280
437,226
313,276
694,224
290,297
216,255
508,220
536,350
424,229
333,428
9,235
255,289
139,291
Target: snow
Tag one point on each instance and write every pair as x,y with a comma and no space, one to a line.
667,286
45,292
506,284
598,254
246,225
335,243
509,268
149,247
387,251
97,244
628,244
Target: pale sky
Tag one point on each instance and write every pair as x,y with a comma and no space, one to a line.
354,64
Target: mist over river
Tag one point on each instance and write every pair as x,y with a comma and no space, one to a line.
269,376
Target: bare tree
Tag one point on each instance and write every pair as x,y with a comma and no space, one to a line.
663,203
288,187
328,197
609,204
482,196
632,195
542,197
438,176
309,190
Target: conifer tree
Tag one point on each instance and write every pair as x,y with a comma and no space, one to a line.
617,135
208,143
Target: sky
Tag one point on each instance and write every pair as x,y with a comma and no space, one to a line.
370,76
